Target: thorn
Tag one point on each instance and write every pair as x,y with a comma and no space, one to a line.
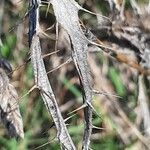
94,127
69,117
81,107
91,148
67,124
49,3
53,124
106,94
90,105
45,34
17,68
51,27
96,14
49,54
59,66
31,89
39,147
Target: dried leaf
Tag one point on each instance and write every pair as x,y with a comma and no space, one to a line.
66,13
9,108
42,82
47,94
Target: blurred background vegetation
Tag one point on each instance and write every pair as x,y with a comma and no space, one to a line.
120,125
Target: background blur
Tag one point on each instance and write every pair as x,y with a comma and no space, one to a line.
122,125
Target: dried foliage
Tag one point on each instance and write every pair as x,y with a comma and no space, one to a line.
9,108
94,66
